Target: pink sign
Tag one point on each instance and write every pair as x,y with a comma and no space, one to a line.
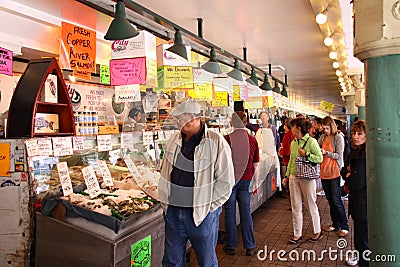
6,63
128,71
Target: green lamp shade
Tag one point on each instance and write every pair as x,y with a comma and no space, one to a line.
276,88
265,85
178,48
212,65
236,73
250,81
284,91
253,77
120,28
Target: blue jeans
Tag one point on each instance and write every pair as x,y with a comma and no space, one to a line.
180,227
241,193
333,194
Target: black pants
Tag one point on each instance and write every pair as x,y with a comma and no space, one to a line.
361,240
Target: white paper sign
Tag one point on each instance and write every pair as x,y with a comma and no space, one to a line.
114,153
91,181
45,147
127,93
62,146
104,142
147,138
168,134
32,147
126,140
65,179
105,173
134,171
161,136
78,143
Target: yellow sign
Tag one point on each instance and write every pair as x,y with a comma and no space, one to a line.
201,91
254,102
220,99
236,93
327,106
5,159
178,77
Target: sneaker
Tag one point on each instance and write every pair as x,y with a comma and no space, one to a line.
352,261
321,193
229,251
343,233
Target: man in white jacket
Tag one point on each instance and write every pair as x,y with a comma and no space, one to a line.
197,177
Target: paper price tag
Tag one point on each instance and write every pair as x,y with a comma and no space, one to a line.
134,171
62,146
104,142
126,140
105,173
168,134
91,182
45,147
114,153
147,138
78,143
65,179
32,147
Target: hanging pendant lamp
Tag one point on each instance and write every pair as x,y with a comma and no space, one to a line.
120,28
253,77
236,73
212,65
266,85
276,87
178,48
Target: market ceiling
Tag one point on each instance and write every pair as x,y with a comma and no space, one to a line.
281,33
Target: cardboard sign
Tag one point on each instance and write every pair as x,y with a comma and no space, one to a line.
128,71
220,99
65,179
78,143
104,74
6,63
5,159
127,93
91,181
141,253
80,46
105,173
62,146
104,143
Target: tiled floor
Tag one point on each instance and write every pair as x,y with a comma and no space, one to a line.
272,230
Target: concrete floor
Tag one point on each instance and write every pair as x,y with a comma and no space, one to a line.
272,230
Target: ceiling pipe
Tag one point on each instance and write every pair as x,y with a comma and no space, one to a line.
244,53
200,27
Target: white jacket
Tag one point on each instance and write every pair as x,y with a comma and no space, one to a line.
213,173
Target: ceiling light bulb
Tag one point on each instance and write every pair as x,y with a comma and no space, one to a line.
328,41
340,79
335,64
321,18
338,73
332,55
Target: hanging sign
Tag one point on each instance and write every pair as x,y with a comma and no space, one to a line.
243,91
127,93
62,146
141,253
220,99
202,85
91,182
104,143
104,74
326,106
128,71
236,92
178,77
254,102
80,46
105,173
65,179
6,63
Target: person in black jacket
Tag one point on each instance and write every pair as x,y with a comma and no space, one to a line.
356,181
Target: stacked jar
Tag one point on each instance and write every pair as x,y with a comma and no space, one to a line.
86,123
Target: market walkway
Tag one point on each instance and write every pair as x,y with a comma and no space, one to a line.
273,229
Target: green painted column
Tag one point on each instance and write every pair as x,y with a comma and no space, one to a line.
383,155
361,113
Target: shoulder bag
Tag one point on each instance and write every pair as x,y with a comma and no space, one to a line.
306,169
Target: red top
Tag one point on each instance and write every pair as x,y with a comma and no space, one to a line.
285,148
244,154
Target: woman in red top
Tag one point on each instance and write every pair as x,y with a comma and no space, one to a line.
245,157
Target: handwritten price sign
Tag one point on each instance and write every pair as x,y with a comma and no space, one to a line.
220,99
178,77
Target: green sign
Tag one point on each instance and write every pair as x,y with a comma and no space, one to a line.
104,74
141,253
